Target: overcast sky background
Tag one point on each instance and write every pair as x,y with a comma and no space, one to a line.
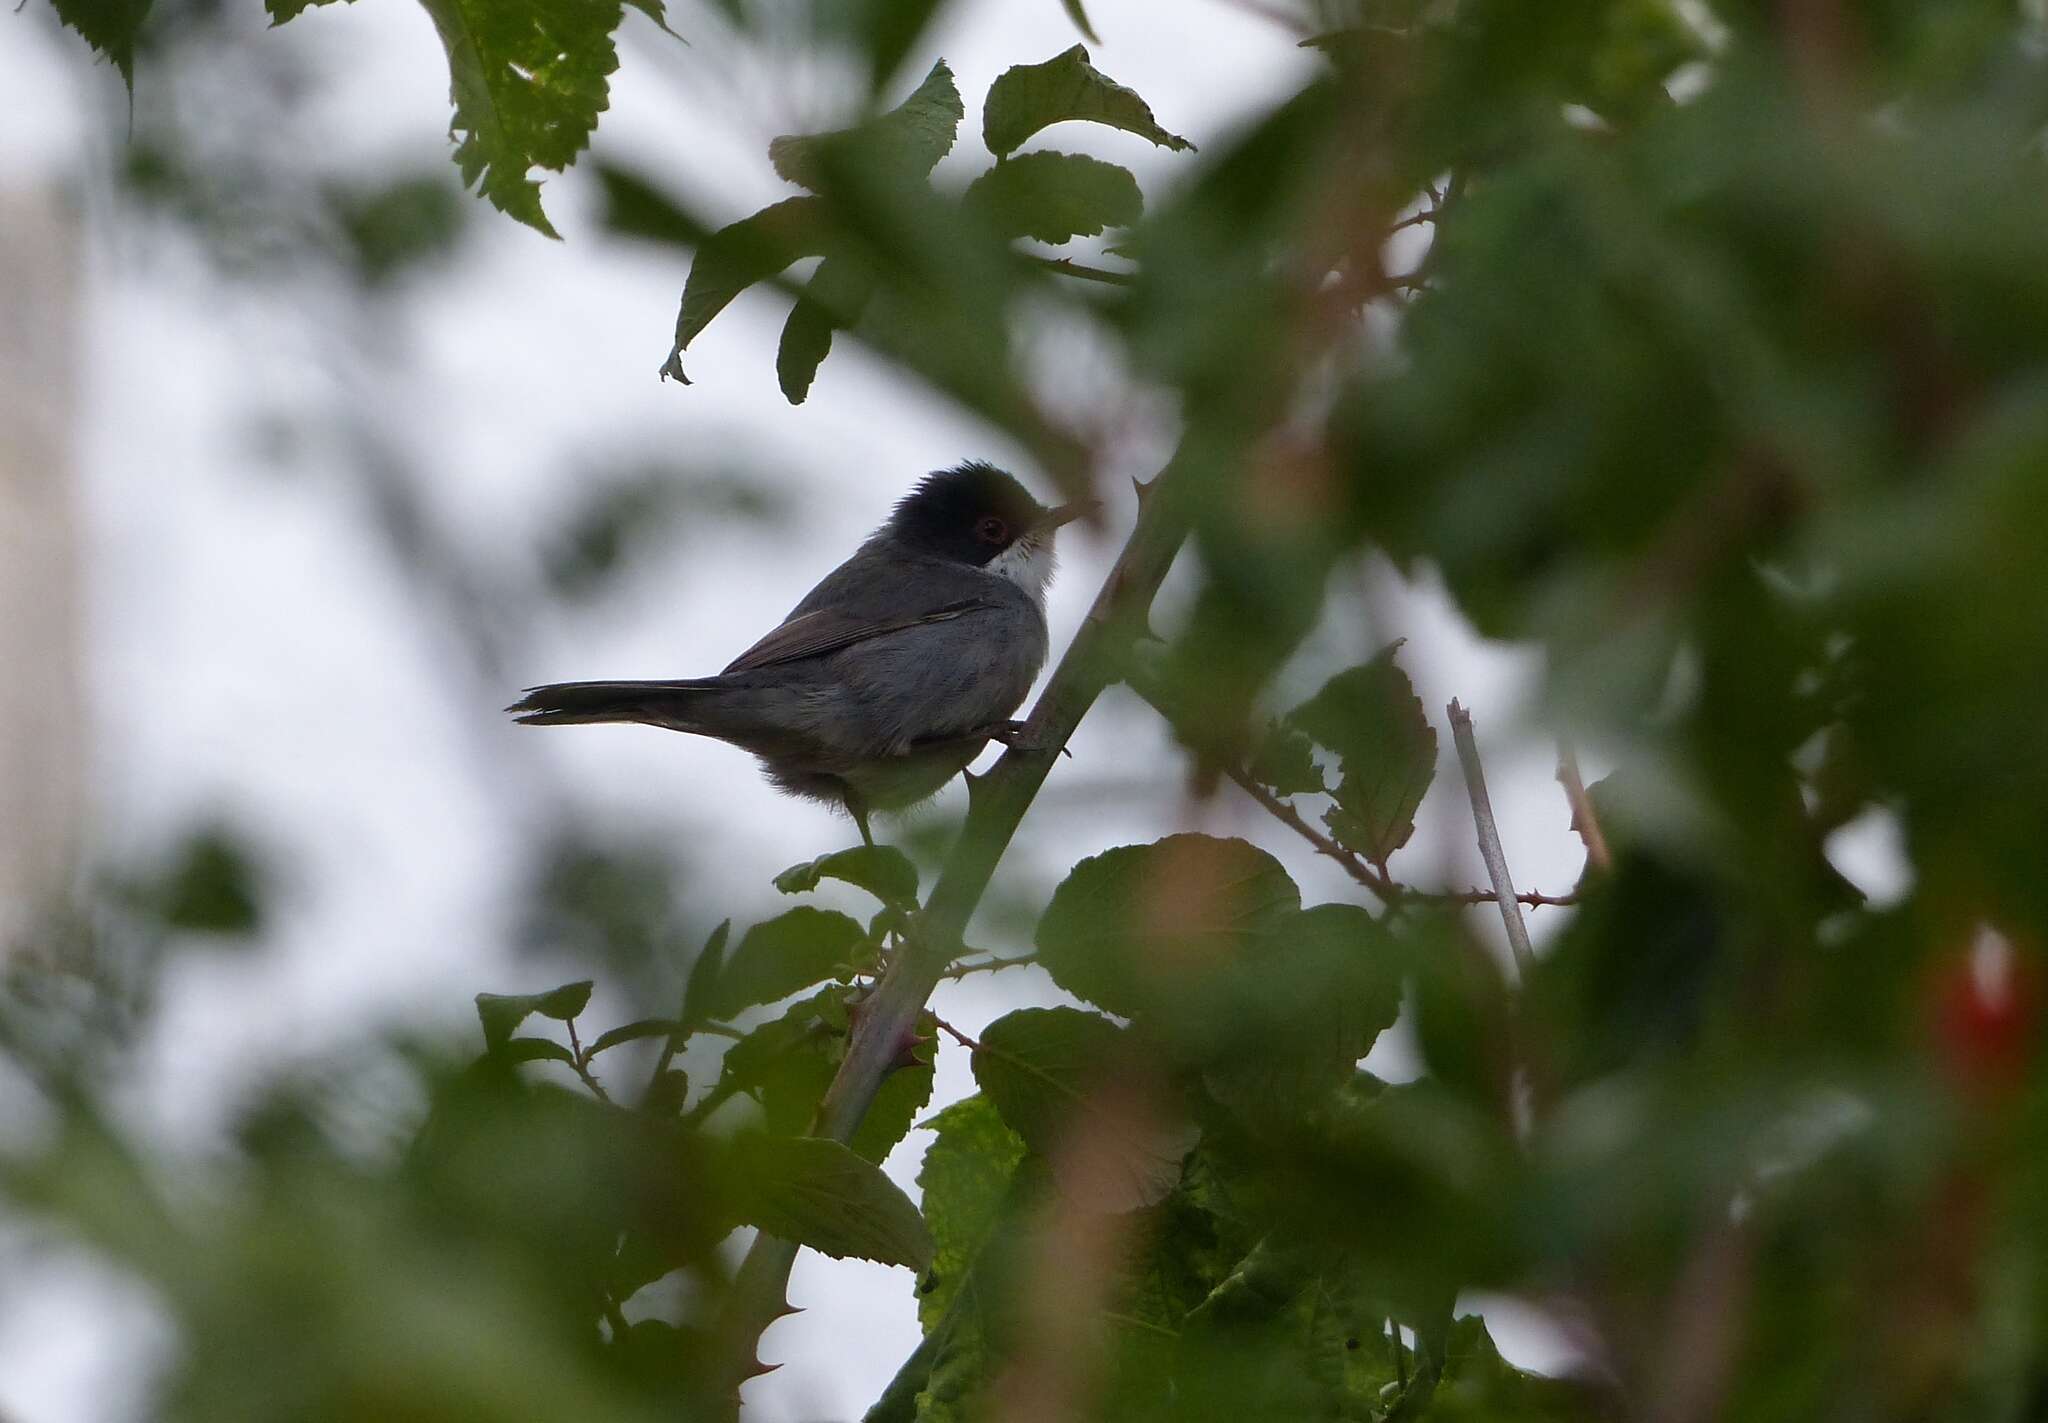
249,650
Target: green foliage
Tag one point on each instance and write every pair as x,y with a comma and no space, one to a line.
1697,352
1372,720
1055,197
794,950
109,26
881,870
529,79
823,1195
1029,97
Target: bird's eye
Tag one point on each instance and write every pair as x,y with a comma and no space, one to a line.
992,530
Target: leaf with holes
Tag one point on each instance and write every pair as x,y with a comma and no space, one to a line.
1055,197
1030,97
529,78
1371,718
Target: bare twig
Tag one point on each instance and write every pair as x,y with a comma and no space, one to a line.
1489,838
1584,820
996,804
955,1034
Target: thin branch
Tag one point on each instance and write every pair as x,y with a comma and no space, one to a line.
955,1034
1068,267
992,965
1584,819
581,1063
1489,838
996,804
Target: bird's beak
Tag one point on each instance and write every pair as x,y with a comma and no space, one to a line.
1066,514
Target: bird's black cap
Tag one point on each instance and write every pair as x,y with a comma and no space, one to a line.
969,513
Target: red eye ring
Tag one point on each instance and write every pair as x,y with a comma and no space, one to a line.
992,530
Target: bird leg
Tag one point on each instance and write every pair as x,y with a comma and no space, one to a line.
857,807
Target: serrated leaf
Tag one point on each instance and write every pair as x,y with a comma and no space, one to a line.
110,27
501,1013
741,254
1285,760
533,1050
1030,97
789,952
963,1180
821,1194
1371,718
1130,928
701,989
908,141
882,870
528,79
1055,197
634,1032
1044,1069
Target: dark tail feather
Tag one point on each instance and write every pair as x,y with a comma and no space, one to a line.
666,704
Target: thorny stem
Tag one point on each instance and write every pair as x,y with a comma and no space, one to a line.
580,1061
996,804
962,970
1489,838
955,1034
1389,890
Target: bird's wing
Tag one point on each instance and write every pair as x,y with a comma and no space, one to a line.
824,630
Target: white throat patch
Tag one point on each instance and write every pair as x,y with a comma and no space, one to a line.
1028,563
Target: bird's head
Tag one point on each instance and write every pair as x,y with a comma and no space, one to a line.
978,515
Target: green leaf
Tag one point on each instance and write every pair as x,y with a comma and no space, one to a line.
533,1050
501,1013
821,1194
964,1178
109,26
791,951
1288,1025
834,299
634,1031
1285,761
909,140
1080,18
1371,718
882,870
1055,197
1044,1069
282,10
528,79
741,254
1039,1065
1132,927
656,11
1030,97
701,989
787,1064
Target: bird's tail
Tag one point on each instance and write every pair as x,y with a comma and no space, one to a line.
676,705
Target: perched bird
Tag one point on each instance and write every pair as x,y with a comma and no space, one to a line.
891,674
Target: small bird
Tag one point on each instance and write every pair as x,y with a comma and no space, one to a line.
891,674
